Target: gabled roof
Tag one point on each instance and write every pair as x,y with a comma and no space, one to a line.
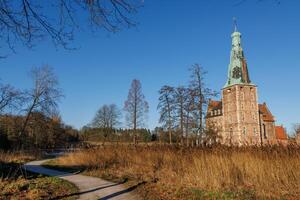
280,133
266,114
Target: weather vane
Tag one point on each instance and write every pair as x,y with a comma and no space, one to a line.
235,24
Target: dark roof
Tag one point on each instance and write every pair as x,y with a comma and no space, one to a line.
214,105
214,109
266,114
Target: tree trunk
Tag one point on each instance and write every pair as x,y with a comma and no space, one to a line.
22,132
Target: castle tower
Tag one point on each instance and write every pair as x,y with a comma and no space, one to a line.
240,101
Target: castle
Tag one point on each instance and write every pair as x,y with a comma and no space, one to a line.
238,118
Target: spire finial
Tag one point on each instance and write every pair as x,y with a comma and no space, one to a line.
235,24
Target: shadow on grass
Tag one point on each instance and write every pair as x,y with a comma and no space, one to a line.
13,171
70,169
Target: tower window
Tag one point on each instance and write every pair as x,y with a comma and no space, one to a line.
230,135
242,96
244,130
255,131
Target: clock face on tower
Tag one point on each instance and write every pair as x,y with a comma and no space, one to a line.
236,73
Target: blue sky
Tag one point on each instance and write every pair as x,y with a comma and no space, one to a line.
171,36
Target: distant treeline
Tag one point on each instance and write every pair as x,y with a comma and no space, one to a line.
42,132
116,135
29,118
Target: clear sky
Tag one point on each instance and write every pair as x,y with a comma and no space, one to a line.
171,36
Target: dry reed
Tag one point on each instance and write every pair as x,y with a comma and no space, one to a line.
270,172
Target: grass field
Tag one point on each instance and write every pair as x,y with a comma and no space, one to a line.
186,173
15,183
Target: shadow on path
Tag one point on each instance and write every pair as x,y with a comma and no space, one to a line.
121,192
84,192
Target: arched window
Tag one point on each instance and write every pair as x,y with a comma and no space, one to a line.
252,96
265,133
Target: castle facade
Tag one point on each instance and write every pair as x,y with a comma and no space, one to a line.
238,117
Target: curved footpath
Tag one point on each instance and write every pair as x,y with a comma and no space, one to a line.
90,188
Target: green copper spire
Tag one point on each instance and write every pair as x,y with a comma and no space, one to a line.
237,70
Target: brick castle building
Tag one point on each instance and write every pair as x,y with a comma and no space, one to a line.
238,118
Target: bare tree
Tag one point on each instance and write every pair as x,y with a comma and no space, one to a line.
9,97
180,101
44,96
114,116
107,117
136,106
167,108
27,21
200,92
190,114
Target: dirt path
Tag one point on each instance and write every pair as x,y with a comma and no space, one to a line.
90,188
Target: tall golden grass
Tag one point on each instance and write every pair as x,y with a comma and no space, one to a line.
16,157
270,172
